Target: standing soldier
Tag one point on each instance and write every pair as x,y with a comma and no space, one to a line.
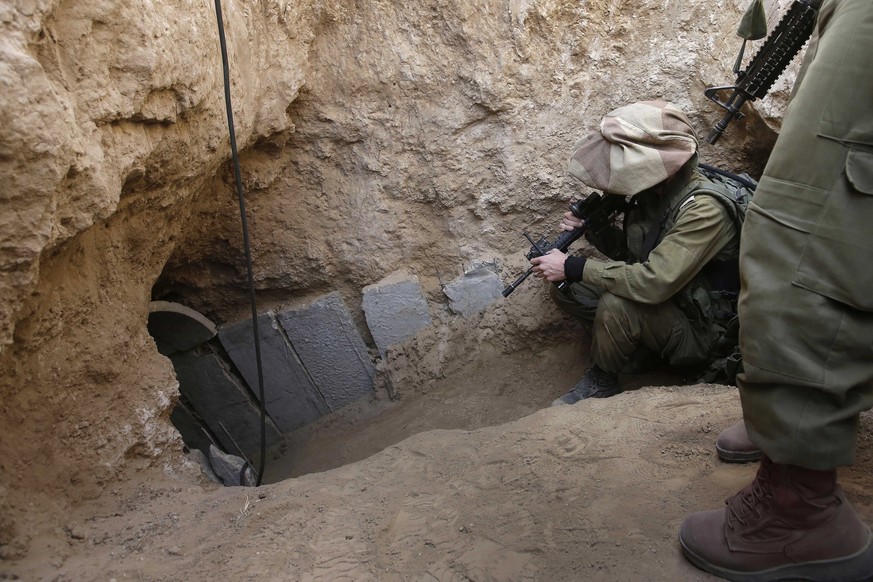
806,326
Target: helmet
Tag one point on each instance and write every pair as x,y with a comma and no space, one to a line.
638,146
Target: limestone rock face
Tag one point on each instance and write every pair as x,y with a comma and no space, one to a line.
374,136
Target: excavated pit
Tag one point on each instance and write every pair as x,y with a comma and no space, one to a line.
376,138
331,399
403,388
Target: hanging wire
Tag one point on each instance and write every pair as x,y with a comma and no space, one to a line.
246,246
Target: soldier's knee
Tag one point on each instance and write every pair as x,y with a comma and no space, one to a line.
616,315
563,299
575,300
615,305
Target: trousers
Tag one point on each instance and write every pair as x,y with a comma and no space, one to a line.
806,300
626,334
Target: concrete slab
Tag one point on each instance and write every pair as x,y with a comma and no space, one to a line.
176,327
395,309
225,406
291,396
231,470
331,349
473,291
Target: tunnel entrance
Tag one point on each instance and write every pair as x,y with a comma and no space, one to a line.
313,359
325,402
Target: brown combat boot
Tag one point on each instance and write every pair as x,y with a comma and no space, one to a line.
734,445
789,523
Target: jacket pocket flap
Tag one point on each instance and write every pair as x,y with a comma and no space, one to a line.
859,170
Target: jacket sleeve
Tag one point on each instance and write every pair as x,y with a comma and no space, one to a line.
702,229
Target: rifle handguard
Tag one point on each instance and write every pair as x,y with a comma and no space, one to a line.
768,64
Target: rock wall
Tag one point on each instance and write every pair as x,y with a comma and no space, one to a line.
374,136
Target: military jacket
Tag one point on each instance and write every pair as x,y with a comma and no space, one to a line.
670,237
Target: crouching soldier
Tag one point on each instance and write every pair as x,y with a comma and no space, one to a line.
671,266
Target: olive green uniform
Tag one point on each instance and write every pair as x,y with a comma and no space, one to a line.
806,307
657,302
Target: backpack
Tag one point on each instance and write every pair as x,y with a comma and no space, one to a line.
737,190
726,360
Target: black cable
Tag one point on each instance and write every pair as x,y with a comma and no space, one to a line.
245,229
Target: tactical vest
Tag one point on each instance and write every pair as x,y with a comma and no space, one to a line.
711,296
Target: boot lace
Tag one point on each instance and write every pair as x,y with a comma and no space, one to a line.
750,503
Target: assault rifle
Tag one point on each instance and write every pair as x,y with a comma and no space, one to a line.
597,210
786,40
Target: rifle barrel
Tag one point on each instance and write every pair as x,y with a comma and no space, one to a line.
510,288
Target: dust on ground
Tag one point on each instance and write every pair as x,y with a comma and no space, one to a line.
473,477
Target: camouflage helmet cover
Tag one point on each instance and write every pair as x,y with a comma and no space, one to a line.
638,146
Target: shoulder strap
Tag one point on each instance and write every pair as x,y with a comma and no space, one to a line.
744,179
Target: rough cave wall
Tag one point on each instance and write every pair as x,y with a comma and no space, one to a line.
375,136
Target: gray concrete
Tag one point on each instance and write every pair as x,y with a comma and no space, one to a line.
176,328
231,470
395,310
223,403
328,344
474,291
291,396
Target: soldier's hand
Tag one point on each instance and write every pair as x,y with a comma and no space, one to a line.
550,266
570,222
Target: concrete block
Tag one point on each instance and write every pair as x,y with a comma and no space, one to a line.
328,344
292,398
222,402
473,291
176,328
231,470
395,309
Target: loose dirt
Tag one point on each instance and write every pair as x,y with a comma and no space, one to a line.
472,477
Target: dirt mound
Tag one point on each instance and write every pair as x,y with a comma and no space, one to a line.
595,491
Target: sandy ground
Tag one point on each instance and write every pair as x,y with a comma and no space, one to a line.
474,478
